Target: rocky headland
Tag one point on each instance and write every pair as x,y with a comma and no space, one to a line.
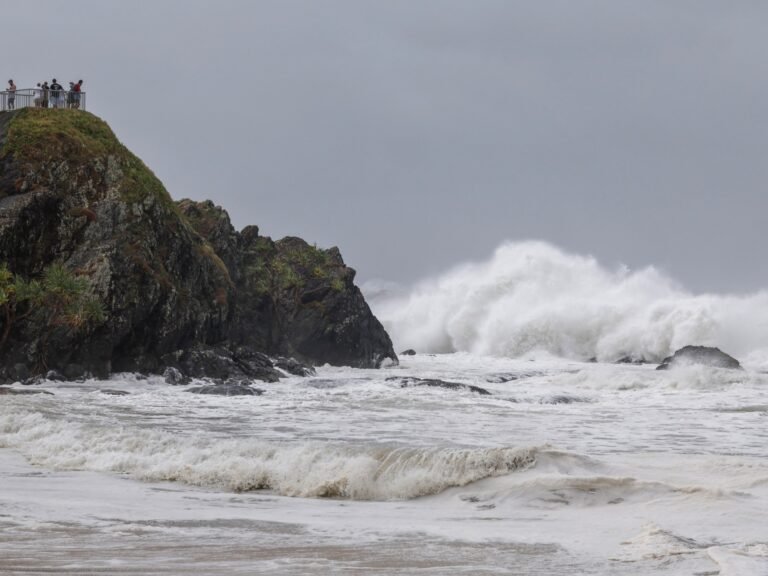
101,271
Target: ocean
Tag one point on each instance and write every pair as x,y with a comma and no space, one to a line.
571,464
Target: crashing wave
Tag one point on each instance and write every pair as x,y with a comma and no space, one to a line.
531,296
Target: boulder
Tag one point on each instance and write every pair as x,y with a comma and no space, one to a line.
700,355
630,359
294,367
222,363
226,389
409,381
174,377
409,352
562,399
503,378
6,390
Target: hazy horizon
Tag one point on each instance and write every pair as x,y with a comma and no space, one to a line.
416,136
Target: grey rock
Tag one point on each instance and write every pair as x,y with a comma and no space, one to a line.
293,366
409,352
408,382
629,359
563,399
700,355
222,363
174,377
5,390
510,377
226,389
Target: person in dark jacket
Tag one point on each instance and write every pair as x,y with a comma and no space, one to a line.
56,96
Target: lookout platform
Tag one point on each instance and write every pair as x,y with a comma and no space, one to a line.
39,98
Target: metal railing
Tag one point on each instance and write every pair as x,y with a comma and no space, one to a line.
39,98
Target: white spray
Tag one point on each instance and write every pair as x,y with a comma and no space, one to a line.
531,296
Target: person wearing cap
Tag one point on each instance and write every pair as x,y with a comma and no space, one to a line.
11,95
56,89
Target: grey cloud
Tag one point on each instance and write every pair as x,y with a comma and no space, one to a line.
418,134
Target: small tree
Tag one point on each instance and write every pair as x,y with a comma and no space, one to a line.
59,301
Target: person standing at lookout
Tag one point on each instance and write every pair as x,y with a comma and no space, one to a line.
77,90
44,94
56,89
11,95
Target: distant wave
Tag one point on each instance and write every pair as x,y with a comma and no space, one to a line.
531,296
307,469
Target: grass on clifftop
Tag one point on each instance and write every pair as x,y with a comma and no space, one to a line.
41,134
36,136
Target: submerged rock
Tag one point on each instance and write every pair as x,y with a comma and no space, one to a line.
563,399
14,391
226,389
409,381
409,352
700,355
503,378
630,359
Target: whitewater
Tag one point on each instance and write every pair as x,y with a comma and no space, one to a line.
531,296
572,464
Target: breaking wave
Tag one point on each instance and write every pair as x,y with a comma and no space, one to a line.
531,296
307,469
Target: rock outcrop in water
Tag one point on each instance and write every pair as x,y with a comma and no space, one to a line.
178,285
411,381
701,355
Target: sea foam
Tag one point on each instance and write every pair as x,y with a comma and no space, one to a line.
306,469
531,296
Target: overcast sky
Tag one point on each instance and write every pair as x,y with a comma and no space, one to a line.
416,134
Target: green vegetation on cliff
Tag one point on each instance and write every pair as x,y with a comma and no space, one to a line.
58,301
291,265
39,137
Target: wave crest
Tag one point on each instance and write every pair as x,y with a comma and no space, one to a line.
307,469
531,296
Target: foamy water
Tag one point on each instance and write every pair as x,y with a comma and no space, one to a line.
566,467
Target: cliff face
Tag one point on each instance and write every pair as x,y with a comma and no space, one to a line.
291,298
169,276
